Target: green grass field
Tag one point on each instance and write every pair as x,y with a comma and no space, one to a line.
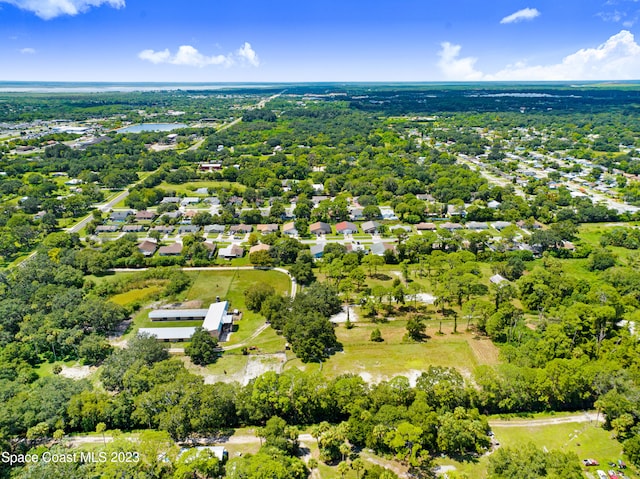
135,295
587,440
393,356
188,189
206,287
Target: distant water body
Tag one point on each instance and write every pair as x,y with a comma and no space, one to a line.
151,127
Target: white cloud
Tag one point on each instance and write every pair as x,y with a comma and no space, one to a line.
618,58
246,53
455,68
521,15
27,51
190,56
48,9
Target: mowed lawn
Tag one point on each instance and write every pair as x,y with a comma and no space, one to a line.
206,286
587,440
230,286
135,295
395,356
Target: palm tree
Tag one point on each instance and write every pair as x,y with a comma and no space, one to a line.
357,465
343,468
345,449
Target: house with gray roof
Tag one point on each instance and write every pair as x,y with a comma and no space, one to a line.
317,250
133,228
120,216
370,227
188,229
107,228
214,229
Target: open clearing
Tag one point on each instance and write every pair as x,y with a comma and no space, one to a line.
377,362
578,433
206,287
238,368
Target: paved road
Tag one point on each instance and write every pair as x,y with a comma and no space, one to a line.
121,196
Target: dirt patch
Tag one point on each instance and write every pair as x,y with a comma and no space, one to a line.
194,304
485,351
260,364
399,469
341,317
77,372
256,366
369,378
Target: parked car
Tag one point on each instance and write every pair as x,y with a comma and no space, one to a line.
590,462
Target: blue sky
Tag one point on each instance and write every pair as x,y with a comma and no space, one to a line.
329,40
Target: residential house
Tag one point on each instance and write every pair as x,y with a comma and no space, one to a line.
425,197
523,224
120,216
259,247
498,279
388,213
451,226
212,200
398,228
235,201
214,229
174,249
500,225
346,228
455,210
147,248
107,228
172,215
267,228
209,167
378,249
190,214
316,199
289,229
493,204
317,250
241,228
319,228
426,227
230,252
188,229
211,247
145,215
477,225
171,199
370,227
133,228
189,200
355,214
164,229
